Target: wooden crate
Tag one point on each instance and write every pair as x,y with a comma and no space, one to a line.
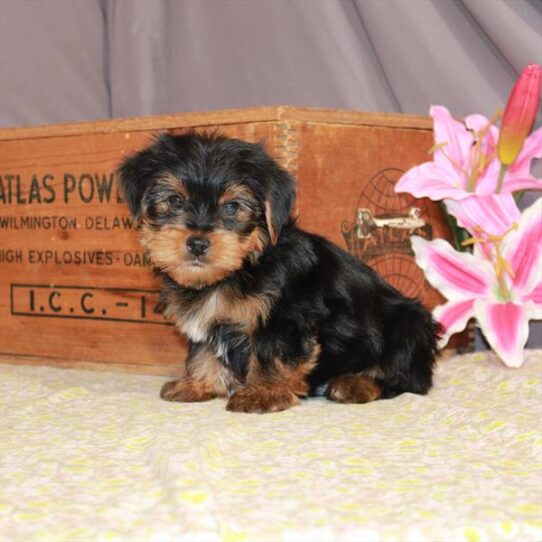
75,286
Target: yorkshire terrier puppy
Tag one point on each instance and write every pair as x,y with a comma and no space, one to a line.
272,313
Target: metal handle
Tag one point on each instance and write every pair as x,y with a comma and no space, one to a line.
367,223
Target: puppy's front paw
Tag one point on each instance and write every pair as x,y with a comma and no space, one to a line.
353,388
186,390
262,399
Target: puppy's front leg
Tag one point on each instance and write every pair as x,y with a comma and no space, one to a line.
187,390
206,378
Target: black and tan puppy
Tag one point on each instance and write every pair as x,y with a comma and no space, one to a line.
272,313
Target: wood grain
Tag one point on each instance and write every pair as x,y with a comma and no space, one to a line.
220,118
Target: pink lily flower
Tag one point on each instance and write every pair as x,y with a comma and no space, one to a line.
465,161
502,287
485,217
495,213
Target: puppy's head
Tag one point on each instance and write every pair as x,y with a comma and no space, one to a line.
206,204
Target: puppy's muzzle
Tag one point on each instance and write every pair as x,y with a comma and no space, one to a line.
197,246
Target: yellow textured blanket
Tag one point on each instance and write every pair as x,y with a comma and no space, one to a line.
96,456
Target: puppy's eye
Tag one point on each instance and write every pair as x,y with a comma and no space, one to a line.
176,202
230,208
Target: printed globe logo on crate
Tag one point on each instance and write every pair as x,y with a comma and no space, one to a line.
380,233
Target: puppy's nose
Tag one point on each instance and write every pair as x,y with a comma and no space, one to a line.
197,246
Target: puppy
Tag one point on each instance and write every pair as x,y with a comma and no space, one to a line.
272,313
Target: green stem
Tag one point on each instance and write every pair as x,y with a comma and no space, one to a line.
503,288
471,183
502,173
459,234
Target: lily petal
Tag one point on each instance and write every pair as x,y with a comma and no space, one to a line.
457,275
522,249
495,214
453,317
532,148
479,123
514,183
535,297
454,134
506,328
431,180
487,182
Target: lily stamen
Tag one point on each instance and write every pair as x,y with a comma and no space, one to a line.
499,262
478,159
440,147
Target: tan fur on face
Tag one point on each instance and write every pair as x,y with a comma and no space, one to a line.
167,249
236,191
254,244
175,185
241,194
230,250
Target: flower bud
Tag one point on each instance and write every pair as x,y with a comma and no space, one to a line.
520,114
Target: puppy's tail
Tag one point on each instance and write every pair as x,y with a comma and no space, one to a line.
414,349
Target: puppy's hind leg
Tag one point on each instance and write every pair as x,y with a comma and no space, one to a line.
353,388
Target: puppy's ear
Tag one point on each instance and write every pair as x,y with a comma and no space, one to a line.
279,201
137,171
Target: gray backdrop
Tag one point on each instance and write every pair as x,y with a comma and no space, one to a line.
72,60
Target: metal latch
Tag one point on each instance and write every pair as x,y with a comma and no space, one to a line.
367,223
